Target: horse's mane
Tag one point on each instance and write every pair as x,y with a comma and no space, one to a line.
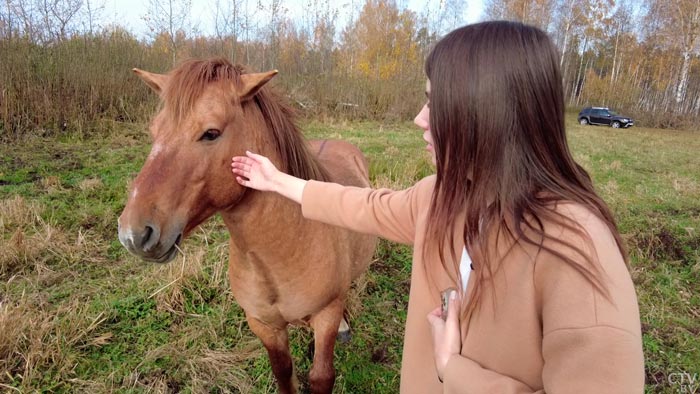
187,83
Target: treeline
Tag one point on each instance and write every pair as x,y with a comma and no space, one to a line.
62,69
640,56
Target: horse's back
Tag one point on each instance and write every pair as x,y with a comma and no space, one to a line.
343,161
347,166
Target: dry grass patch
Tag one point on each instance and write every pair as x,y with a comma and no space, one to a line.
615,165
205,369
90,184
16,212
195,268
190,280
36,339
353,303
51,184
685,185
225,367
610,188
28,243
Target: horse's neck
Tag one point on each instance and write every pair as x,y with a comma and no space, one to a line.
262,218
266,229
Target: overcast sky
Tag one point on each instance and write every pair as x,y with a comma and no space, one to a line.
129,13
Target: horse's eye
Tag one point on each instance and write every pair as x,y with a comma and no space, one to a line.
210,135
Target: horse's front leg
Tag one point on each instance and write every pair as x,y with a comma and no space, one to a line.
276,341
325,325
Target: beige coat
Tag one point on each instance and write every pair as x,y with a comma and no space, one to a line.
541,327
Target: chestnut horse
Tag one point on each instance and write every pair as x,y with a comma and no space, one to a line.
283,268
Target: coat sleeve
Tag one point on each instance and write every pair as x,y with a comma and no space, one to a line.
591,342
582,360
386,213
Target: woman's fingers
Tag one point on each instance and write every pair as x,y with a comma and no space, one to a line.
240,169
446,334
453,310
242,160
437,312
255,171
250,158
241,166
243,181
255,158
436,323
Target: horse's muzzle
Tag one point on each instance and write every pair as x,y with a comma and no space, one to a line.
149,244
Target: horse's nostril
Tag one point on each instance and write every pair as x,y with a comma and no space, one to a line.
149,238
147,233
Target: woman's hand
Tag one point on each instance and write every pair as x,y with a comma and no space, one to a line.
447,338
255,171
258,172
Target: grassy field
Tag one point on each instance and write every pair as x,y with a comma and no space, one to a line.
78,314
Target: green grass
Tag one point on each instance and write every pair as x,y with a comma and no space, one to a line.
78,314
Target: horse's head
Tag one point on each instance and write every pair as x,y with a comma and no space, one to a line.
204,120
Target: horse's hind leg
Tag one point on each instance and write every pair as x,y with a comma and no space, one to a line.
276,341
325,325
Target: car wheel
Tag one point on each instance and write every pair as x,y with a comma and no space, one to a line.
583,121
616,125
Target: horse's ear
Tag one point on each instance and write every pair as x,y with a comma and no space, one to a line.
251,83
154,81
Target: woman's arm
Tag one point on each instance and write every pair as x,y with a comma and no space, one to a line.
382,212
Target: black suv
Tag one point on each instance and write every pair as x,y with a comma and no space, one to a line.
603,115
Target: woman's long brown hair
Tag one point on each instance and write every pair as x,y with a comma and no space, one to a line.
497,119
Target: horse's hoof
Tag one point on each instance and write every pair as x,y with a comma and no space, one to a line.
344,336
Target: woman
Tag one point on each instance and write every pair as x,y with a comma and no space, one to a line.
545,302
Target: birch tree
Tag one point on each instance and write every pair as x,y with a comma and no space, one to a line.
679,27
533,12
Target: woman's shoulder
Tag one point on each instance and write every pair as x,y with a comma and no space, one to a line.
578,234
588,278
575,223
427,182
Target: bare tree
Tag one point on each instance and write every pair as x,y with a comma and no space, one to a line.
444,16
27,23
321,19
453,14
92,14
59,17
277,14
677,22
621,22
496,9
249,25
570,16
227,23
534,12
169,17
6,25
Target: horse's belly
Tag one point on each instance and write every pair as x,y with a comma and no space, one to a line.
292,300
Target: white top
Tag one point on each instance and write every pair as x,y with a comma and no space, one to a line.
465,269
